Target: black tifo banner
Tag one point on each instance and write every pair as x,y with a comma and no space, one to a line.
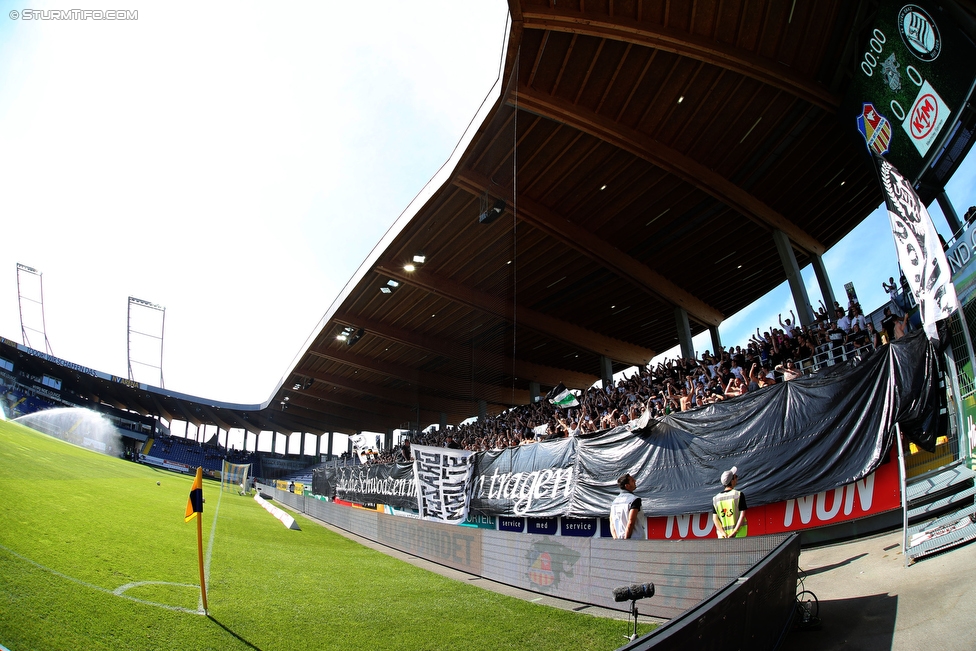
793,439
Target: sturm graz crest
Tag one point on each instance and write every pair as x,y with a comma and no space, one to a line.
919,32
901,196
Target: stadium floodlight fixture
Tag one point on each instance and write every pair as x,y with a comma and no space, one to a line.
490,211
409,267
390,286
346,333
420,258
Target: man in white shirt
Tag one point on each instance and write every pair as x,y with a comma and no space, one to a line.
788,325
843,321
625,517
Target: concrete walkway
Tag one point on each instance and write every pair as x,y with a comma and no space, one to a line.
870,601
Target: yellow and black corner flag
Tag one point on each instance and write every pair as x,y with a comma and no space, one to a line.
194,504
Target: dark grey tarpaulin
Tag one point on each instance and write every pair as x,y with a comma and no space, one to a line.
391,483
791,440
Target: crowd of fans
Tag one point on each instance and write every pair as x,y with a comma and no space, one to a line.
779,354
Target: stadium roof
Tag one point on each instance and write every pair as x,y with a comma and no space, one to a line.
636,159
643,154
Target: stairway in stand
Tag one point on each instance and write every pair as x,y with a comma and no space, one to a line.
941,510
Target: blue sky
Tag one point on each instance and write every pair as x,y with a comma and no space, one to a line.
235,163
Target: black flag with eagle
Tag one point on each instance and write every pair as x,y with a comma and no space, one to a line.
919,250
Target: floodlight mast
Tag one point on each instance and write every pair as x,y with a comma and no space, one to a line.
24,328
139,303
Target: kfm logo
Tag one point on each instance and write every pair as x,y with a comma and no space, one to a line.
925,115
926,118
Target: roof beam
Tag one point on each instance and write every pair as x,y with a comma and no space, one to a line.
287,424
450,385
217,419
687,45
161,411
183,409
313,400
598,250
540,373
373,417
575,335
672,161
409,398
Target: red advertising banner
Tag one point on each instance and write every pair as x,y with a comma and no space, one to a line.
876,493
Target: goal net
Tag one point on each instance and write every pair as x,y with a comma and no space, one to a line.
235,477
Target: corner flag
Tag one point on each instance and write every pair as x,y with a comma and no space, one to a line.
194,504
194,509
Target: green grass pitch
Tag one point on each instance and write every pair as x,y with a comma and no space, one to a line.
95,555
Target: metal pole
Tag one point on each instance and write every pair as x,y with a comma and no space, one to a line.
904,494
962,438
964,326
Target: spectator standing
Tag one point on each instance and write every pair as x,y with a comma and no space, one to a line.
787,326
858,338
625,510
730,508
874,336
843,321
888,325
405,454
891,287
837,336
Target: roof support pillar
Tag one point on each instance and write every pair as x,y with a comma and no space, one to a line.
329,452
683,326
606,371
274,442
949,211
824,281
349,443
534,391
482,410
442,425
388,439
716,339
804,312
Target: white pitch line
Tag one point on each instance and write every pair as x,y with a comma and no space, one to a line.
118,592
210,543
